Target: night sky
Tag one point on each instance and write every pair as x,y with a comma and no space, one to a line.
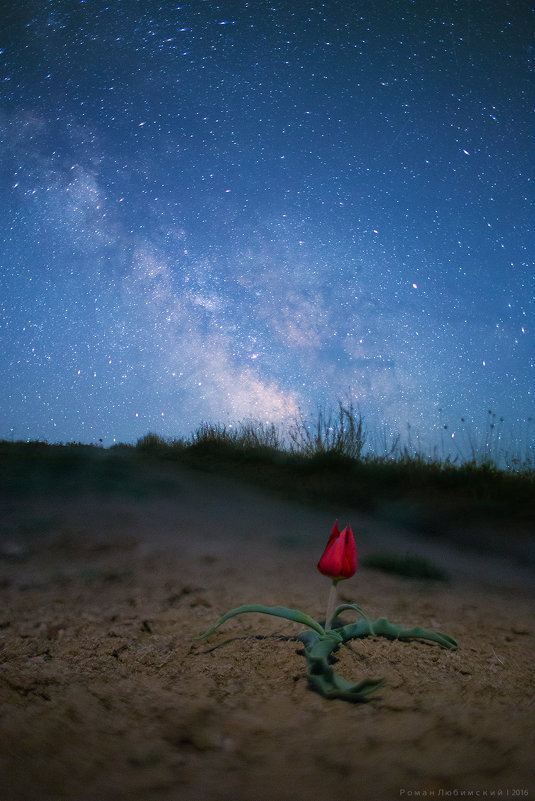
214,211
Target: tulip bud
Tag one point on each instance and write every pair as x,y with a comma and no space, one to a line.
339,560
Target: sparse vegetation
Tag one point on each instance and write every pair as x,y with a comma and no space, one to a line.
332,461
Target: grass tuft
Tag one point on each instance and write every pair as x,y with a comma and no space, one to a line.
334,434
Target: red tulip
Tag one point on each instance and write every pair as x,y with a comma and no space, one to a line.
339,560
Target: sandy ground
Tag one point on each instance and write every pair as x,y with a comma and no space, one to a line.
106,694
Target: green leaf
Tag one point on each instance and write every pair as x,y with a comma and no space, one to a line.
387,629
383,628
322,677
278,611
320,645
353,608
331,686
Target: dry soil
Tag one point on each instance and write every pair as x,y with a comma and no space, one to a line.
107,695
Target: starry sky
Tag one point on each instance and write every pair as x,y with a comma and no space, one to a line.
218,211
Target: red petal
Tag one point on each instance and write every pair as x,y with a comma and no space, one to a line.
339,559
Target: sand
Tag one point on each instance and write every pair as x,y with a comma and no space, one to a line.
107,695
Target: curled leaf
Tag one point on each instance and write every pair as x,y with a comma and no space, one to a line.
320,674
383,628
353,608
278,611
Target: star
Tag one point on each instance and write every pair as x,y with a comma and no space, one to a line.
216,214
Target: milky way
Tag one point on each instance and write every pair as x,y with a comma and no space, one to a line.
221,211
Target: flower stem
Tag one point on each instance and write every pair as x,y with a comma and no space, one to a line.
331,604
